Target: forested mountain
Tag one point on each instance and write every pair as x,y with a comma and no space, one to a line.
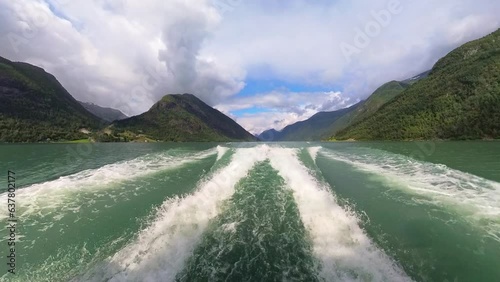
182,118
460,99
35,107
380,97
416,78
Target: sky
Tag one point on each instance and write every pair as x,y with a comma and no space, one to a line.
264,63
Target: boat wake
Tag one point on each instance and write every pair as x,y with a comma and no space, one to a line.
475,198
160,250
166,249
60,194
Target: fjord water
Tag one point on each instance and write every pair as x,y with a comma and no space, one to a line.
427,211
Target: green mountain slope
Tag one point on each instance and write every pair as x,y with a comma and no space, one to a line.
380,97
417,78
460,99
107,114
35,107
183,118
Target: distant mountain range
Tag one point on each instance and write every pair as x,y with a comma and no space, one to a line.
107,114
458,99
35,107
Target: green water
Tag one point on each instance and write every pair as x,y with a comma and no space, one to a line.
283,251
424,211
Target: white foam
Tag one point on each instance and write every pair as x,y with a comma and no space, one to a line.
313,152
162,249
346,253
475,197
59,194
221,151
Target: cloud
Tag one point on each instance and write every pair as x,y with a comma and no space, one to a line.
128,54
183,35
123,54
303,42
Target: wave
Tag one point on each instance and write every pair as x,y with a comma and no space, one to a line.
345,252
313,152
259,236
60,193
221,151
161,250
476,198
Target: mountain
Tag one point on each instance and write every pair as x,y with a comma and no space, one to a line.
460,99
269,135
107,114
324,125
181,118
315,128
35,107
417,78
380,97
